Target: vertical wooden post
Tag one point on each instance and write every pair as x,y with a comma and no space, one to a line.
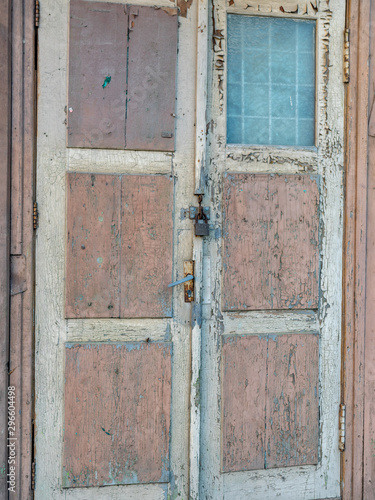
5,95
21,360
200,158
354,277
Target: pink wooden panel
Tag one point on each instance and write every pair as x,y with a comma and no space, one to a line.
97,51
292,428
93,246
270,249
270,401
117,414
146,255
151,78
244,372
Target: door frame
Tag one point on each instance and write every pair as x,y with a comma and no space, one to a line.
17,174
358,285
355,230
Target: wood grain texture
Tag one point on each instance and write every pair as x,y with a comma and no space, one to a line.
117,414
244,402
270,401
119,246
97,51
93,246
147,246
21,348
369,352
5,133
292,429
150,122
297,483
271,242
51,330
355,274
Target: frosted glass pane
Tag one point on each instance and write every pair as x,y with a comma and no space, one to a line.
271,81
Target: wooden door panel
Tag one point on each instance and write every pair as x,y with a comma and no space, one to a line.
117,414
270,401
106,321
244,401
93,246
146,246
271,242
122,76
97,75
292,408
150,119
119,246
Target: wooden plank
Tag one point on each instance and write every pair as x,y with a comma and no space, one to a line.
292,403
270,401
150,122
5,131
21,349
97,75
147,246
369,353
271,242
244,402
17,129
117,414
354,284
93,246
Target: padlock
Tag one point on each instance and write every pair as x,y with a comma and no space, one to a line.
201,226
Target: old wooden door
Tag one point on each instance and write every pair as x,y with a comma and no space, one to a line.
139,393
272,300
113,173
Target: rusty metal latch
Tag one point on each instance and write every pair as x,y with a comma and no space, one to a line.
188,281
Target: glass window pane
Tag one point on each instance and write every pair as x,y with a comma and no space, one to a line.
271,81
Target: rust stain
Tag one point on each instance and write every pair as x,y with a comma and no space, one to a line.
117,414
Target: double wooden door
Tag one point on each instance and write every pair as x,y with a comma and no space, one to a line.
141,391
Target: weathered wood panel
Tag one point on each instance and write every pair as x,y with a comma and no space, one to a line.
117,414
369,352
354,245
97,74
93,246
21,348
244,402
5,131
146,252
271,242
150,122
120,230
292,427
270,401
